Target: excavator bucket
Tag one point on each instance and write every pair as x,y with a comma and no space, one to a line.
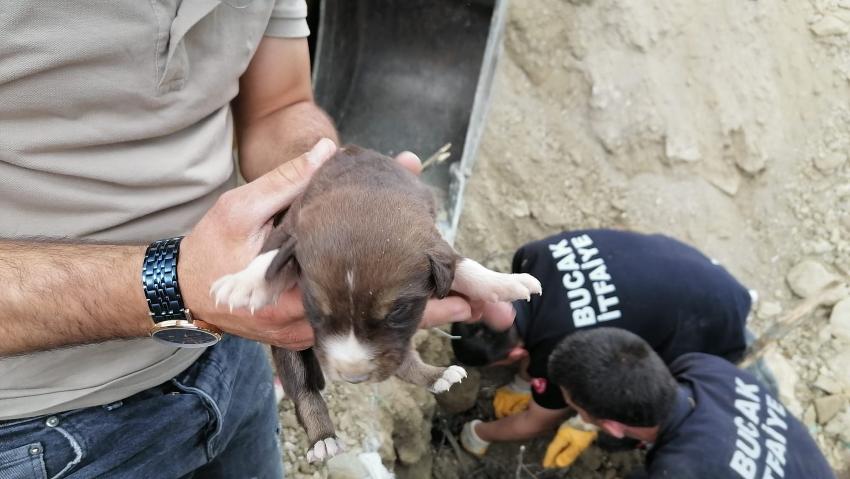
410,75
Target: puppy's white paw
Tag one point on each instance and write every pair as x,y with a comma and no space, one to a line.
247,288
510,287
478,282
325,449
451,375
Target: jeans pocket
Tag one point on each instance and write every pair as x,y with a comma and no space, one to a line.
24,462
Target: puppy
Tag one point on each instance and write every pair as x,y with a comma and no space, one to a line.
362,244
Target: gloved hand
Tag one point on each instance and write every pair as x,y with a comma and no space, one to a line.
470,440
567,445
512,398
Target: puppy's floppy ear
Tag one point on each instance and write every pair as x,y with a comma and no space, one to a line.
442,261
284,267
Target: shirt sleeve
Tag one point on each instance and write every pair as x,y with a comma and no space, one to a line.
288,20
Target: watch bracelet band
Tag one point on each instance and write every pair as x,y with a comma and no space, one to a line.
159,280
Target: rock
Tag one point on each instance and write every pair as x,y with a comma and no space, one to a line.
769,309
461,397
828,384
838,294
839,425
412,409
828,406
828,26
433,347
679,149
752,163
786,379
810,417
838,364
376,469
346,466
419,470
809,277
830,161
839,320
519,209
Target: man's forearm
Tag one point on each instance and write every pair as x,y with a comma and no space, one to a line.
284,134
513,428
58,295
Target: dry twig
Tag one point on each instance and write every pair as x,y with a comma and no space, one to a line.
791,321
453,442
438,157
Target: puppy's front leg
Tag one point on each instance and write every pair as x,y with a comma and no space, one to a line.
477,282
436,379
301,376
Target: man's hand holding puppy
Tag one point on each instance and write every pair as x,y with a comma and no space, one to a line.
229,236
231,233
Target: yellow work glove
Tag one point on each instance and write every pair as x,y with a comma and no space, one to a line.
567,445
512,398
470,440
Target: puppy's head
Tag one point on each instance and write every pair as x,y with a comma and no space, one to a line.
368,261
364,314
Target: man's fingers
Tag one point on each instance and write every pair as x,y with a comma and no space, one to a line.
295,337
278,188
410,161
452,309
498,316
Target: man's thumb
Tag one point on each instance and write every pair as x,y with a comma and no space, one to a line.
277,189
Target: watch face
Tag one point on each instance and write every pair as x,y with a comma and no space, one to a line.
186,337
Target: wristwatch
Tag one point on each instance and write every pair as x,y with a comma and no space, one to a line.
173,322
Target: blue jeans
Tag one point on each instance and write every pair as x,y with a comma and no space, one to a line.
217,419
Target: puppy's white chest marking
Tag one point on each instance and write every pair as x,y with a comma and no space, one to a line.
348,357
347,348
248,288
478,282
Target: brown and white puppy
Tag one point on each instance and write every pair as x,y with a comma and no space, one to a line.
362,244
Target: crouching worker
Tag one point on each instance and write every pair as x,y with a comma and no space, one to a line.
664,291
701,418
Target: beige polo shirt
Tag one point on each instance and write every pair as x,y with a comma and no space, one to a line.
115,125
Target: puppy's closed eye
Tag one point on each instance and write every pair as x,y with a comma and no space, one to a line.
403,312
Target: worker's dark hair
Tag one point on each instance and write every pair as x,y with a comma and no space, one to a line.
480,345
614,374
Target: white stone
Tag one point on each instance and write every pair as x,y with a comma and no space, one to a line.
839,425
828,384
830,161
752,163
839,364
839,320
786,379
681,149
346,466
809,277
769,309
810,417
828,406
828,26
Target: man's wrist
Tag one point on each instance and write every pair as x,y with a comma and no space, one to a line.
160,280
173,323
